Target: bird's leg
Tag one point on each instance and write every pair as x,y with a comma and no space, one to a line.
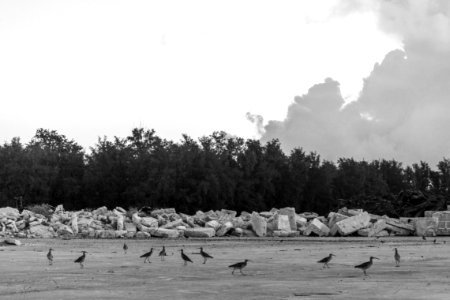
81,266
242,272
232,273
185,263
204,260
365,272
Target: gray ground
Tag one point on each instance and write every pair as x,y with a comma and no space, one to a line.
281,269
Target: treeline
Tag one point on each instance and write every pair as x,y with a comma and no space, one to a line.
215,172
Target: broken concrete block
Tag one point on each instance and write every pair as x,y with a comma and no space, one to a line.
149,222
398,223
10,213
130,234
142,235
382,233
333,218
364,232
266,214
290,212
105,234
42,231
136,219
120,234
281,222
352,224
200,232
283,233
13,242
173,224
309,215
213,224
101,211
74,223
259,224
317,227
426,226
224,228
164,233
64,230
378,226
300,221
248,233
237,232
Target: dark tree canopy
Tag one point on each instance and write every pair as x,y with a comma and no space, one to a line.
215,172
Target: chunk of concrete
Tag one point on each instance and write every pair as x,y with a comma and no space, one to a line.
64,230
290,212
352,224
259,224
300,221
237,232
200,232
224,229
9,212
173,224
283,233
377,227
164,233
149,222
142,235
317,227
333,218
42,231
13,242
426,226
213,224
281,223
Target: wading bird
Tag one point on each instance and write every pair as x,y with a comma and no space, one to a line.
204,255
125,248
185,258
162,253
366,265
239,266
80,260
397,258
326,260
50,256
147,255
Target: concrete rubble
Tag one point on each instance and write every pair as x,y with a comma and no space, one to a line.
167,223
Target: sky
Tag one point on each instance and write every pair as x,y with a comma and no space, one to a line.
362,79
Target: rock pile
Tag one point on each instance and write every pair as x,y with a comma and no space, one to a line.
167,223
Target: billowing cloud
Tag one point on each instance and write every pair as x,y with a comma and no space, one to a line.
404,107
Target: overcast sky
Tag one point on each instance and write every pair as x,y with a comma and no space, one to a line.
95,68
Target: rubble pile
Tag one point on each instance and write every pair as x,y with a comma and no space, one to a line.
167,223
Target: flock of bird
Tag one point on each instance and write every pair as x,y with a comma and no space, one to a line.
80,260
237,266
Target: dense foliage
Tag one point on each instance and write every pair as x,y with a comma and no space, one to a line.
215,172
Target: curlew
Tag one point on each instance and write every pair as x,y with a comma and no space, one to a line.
162,253
397,258
147,255
80,260
366,265
239,266
125,248
185,258
326,260
50,256
204,255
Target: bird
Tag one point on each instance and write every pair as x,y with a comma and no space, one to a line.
326,260
397,258
205,255
434,241
50,256
424,238
239,266
366,265
80,260
162,253
147,255
125,248
185,257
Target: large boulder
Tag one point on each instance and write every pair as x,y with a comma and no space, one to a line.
149,222
224,229
426,226
213,224
173,224
9,212
164,233
200,232
290,212
317,227
42,231
259,224
333,218
352,224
